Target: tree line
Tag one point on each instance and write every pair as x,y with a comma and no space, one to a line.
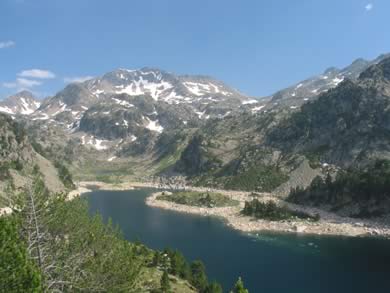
355,185
271,211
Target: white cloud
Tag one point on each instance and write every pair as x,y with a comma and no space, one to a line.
369,7
28,79
7,44
28,82
77,79
37,73
22,83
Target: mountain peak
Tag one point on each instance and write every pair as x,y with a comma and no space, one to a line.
360,61
377,71
24,94
23,103
294,96
331,70
196,96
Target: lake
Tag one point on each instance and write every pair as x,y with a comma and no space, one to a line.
269,263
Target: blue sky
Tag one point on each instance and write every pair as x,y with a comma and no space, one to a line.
255,46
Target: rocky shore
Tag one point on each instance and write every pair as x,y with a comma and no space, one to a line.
329,223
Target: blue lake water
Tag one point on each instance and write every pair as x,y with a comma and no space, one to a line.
269,263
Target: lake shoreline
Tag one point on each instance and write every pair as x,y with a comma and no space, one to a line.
237,221
330,224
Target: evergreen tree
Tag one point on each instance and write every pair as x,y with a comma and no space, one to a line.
72,250
156,258
17,272
199,278
178,265
50,244
239,287
165,286
214,287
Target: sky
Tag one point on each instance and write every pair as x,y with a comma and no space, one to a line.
255,46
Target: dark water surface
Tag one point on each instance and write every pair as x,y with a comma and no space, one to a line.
269,263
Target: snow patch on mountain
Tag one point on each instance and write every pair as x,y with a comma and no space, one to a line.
200,89
200,114
154,125
141,87
250,102
23,103
257,109
111,159
95,142
123,103
6,110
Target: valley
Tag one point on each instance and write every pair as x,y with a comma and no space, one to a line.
152,126
317,167
194,146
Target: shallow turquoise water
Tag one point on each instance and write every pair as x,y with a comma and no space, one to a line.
270,263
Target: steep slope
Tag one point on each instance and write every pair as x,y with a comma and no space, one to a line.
18,159
347,125
230,153
23,103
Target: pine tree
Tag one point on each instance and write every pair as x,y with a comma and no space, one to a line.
199,278
239,287
17,272
178,264
165,286
156,258
214,287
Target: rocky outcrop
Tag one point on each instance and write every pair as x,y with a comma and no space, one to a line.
195,159
18,159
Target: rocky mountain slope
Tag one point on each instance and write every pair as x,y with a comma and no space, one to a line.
309,89
131,106
23,103
205,96
19,159
346,125
277,150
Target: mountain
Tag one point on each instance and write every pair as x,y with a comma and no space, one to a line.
345,127
23,103
303,91
348,128
150,122
206,97
136,106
